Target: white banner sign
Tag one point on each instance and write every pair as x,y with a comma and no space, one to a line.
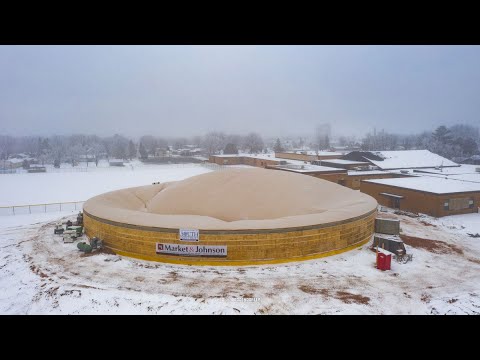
191,250
189,235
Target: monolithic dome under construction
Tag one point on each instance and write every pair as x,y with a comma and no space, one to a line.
232,217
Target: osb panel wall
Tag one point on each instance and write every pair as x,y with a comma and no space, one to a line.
244,247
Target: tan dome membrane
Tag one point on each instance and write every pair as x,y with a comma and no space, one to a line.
234,199
237,217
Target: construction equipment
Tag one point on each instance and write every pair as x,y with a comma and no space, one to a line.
58,229
77,229
83,246
96,243
79,221
69,236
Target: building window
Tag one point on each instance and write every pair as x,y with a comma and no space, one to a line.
445,205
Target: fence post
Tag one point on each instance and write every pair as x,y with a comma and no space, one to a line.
29,209
13,208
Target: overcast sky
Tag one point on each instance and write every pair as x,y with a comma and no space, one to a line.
274,90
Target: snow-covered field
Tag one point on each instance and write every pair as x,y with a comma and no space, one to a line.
51,187
39,274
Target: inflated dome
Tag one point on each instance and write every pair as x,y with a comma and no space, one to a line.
233,199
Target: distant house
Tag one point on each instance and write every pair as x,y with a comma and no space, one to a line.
37,169
191,151
12,163
162,152
116,162
87,158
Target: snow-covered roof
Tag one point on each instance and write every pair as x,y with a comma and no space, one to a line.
201,158
430,184
345,162
271,156
359,173
16,161
308,168
458,170
312,152
268,156
459,177
466,177
410,159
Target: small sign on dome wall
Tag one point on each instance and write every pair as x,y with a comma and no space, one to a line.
189,235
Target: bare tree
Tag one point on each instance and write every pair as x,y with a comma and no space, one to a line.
253,143
6,146
73,153
150,143
322,137
213,142
97,150
132,150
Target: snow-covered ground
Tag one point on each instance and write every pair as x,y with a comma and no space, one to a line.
40,274
51,187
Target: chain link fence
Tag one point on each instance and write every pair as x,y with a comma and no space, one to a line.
41,208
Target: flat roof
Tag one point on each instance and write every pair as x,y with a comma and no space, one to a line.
475,178
430,184
311,152
346,162
371,172
268,156
308,168
462,169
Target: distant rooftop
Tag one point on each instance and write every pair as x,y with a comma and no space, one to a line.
307,168
410,159
371,172
346,162
312,152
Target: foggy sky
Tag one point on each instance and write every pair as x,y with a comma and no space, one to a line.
274,90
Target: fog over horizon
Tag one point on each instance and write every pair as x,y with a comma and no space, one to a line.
273,90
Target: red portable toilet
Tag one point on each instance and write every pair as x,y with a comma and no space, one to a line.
388,262
384,261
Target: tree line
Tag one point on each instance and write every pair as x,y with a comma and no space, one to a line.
77,148
451,142
457,141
